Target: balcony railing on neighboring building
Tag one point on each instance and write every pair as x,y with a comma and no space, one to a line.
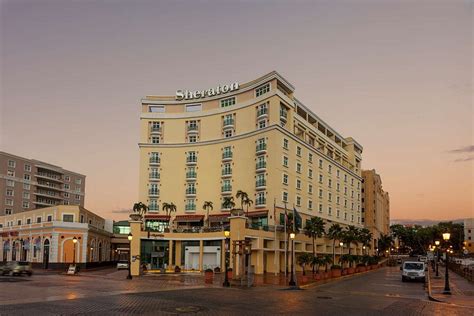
50,176
261,147
191,175
226,155
261,165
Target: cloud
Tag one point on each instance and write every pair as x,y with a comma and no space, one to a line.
122,211
464,159
467,149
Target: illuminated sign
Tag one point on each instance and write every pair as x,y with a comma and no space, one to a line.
198,94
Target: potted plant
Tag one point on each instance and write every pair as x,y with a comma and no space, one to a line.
139,210
327,260
208,276
303,260
336,271
217,270
177,269
229,273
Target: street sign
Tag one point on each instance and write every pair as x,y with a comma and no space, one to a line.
72,269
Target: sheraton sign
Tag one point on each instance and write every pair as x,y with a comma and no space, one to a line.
199,94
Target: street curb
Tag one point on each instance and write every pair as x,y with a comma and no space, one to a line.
331,280
430,294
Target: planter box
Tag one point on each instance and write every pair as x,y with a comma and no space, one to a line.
208,277
350,270
229,275
317,276
336,273
373,267
327,275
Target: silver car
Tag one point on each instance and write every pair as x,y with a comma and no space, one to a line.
17,268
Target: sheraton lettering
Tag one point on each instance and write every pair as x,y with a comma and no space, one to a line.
199,94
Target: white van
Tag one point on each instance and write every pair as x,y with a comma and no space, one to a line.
413,270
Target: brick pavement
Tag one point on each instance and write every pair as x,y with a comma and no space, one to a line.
462,291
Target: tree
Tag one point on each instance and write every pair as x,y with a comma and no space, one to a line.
327,260
247,202
242,196
351,236
169,208
208,206
314,229
334,233
385,242
304,259
365,237
140,208
316,263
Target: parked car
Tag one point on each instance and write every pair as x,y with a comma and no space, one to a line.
423,259
17,268
413,270
122,264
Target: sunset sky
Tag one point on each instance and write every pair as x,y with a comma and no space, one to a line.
395,75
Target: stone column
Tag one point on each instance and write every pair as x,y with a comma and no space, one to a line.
136,229
201,254
177,259
170,256
237,232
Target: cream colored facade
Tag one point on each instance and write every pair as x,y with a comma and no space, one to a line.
259,139
375,206
45,237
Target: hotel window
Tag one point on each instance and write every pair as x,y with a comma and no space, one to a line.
155,139
226,186
262,109
262,90
28,168
153,189
338,213
320,193
66,186
9,202
352,218
345,178
338,187
352,206
68,218
358,185
156,109
352,181
345,216
227,152
26,186
8,211
345,190
26,195
228,133
298,151
338,173
262,124
310,157
358,219
192,126
191,157
227,102
67,178
345,203
153,205
154,157
192,138
193,107
329,211
310,204
285,161
329,168
298,167
298,201
320,178
18,222
26,177
50,218
310,188
9,192
284,197
11,163
228,120
358,196
329,196
338,199
28,221
320,163
66,202
330,183
261,145
38,219
320,208
298,184
285,178
226,169
310,173
78,181
260,199
352,194
78,189
191,189
285,143
155,126
78,197
190,205
10,173
10,183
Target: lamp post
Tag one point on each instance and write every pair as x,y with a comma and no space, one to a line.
130,237
437,242
341,244
446,237
226,259
74,241
363,250
292,278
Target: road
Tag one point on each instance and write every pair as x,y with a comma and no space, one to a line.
374,293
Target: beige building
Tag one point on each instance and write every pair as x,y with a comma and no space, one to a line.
205,145
28,184
45,236
469,234
375,205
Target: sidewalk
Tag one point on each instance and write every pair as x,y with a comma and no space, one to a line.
462,291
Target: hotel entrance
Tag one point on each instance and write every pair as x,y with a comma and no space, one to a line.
154,254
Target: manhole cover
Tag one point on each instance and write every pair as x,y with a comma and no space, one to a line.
188,309
324,297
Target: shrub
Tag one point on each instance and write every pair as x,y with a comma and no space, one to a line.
217,270
208,270
336,266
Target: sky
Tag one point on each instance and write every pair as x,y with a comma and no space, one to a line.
395,75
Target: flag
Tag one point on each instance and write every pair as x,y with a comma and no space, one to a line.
296,219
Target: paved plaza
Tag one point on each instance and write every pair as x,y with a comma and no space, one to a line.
108,293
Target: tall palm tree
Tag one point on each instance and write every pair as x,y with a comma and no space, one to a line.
385,242
334,233
351,236
228,203
248,202
242,196
314,229
208,206
365,237
169,208
140,208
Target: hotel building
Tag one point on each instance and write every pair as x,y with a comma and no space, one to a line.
28,184
205,145
375,206
469,234
45,237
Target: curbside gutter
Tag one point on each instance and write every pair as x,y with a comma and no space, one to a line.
428,288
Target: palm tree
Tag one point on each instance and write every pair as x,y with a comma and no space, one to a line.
326,259
316,262
385,242
242,196
314,229
351,236
140,208
334,233
248,202
228,203
304,259
168,208
208,206
365,237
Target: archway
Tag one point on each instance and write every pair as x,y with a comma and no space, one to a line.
46,254
68,251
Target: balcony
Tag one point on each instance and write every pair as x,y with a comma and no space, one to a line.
45,203
154,160
193,129
261,148
261,166
190,191
262,112
227,123
49,186
190,207
154,176
283,115
226,173
191,175
48,195
156,130
227,155
152,192
260,202
260,184
49,176
226,189
191,160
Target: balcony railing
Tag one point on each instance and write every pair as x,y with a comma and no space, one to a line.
261,147
191,191
284,114
261,165
154,176
227,172
191,175
226,155
190,207
49,176
228,122
153,192
226,188
193,128
192,159
156,129
155,160
260,183
260,201
262,112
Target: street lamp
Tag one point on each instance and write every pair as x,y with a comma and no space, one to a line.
363,250
341,244
130,237
292,278
74,241
446,237
437,242
226,259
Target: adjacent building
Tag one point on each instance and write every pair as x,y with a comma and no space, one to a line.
28,184
468,234
45,237
375,206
